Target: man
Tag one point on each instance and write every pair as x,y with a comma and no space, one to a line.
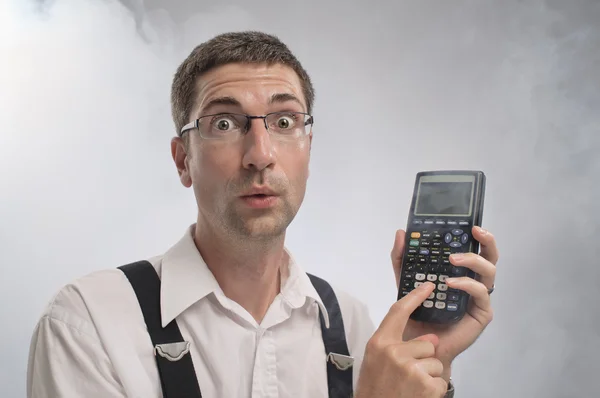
251,321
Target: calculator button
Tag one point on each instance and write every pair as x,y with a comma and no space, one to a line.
412,251
441,296
414,243
420,277
428,222
432,277
435,252
410,267
426,235
434,261
424,252
437,236
431,295
448,238
422,260
437,244
452,223
463,223
407,284
417,284
443,278
424,243
440,222
457,232
455,244
428,304
415,235
408,275
442,287
417,222
445,261
464,238
440,305
452,307
453,296
457,270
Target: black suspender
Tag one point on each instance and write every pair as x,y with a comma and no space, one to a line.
178,378
176,370
339,378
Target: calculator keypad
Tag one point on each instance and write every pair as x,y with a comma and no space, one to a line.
427,259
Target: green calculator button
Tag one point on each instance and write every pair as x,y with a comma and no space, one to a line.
414,243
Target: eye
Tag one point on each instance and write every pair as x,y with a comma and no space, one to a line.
285,121
224,123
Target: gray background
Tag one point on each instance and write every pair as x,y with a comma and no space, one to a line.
508,87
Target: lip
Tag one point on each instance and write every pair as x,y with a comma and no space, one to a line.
259,191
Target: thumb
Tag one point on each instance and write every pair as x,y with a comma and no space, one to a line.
397,254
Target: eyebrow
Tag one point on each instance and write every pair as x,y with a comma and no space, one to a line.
230,101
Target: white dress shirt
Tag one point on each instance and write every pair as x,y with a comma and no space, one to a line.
91,340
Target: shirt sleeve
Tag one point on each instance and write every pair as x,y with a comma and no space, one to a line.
67,359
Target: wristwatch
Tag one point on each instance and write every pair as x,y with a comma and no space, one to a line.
450,392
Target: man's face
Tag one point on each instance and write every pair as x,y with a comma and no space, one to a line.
223,172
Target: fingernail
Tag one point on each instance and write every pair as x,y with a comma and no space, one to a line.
456,256
482,231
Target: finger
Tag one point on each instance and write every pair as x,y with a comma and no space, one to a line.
487,243
395,320
477,263
476,289
441,387
417,349
396,254
432,338
432,366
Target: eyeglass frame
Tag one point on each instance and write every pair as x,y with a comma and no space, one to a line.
195,124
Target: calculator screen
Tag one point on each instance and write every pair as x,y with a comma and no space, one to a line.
437,197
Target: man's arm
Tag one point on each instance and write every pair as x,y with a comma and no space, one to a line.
67,359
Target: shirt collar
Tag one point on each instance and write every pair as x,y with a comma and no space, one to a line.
186,279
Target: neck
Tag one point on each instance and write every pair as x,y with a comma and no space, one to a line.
248,272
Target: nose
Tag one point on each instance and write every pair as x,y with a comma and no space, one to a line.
259,152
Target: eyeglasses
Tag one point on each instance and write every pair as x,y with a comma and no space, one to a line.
226,126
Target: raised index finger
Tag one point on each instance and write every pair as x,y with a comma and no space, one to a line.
395,320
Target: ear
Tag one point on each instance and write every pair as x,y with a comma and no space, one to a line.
180,157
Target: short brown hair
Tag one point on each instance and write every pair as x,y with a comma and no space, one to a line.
234,47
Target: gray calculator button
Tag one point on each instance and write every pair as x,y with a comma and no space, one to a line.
432,277
420,277
428,304
431,295
448,237
441,296
452,307
457,232
455,244
442,287
424,252
440,305
417,284
464,238
443,278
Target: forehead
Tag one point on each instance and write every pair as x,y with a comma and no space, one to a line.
250,84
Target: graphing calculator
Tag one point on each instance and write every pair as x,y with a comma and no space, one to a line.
445,206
